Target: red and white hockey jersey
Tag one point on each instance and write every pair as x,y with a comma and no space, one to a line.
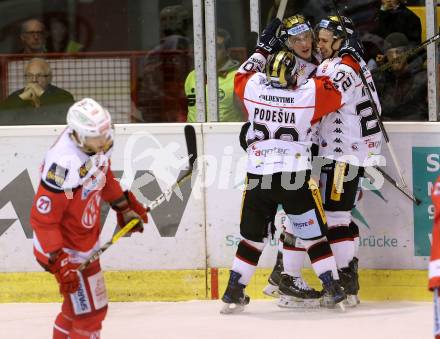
351,134
306,70
67,206
279,137
434,264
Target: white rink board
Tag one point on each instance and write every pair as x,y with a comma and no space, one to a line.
388,243
24,148
387,235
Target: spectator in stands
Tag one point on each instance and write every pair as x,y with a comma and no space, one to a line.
394,16
402,88
58,40
33,36
228,109
39,102
161,89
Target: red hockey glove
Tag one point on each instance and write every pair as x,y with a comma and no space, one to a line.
128,208
65,272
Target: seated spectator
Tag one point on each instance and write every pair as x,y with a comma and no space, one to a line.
394,16
33,36
58,40
161,97
226,68
39,102
402,88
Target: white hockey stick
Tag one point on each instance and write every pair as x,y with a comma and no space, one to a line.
281,9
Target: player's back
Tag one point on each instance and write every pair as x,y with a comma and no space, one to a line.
280,134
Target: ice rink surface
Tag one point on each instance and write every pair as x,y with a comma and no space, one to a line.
261,319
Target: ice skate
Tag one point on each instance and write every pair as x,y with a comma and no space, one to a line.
295,293
349,282
334,294
271,288
234,298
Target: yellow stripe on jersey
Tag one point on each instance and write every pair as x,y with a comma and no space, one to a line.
338,181
317,197
244,195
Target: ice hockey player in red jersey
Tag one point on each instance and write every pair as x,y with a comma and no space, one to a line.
434,264
279,162
76,176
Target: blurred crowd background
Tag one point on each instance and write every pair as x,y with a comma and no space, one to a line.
137,57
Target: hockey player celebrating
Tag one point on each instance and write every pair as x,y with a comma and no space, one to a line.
279,162
350,140
287,270
65,216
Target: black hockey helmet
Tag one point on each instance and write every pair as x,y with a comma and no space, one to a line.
280,69
333,24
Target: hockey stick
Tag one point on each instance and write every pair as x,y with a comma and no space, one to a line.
436,313
374,108
281,9
191,146
407,54
123,231
393,182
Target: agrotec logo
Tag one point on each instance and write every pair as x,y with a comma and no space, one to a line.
20,193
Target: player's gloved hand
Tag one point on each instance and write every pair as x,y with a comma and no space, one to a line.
353,47
269,43
65,272
243,132
128,208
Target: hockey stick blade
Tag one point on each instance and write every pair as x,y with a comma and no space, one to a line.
404,189
191,144
123,231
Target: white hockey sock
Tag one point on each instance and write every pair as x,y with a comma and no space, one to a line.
343,252
246,259
321,256
293,260
245,269
324,265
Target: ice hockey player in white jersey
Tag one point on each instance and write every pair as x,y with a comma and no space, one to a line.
300,41
350,140
279,162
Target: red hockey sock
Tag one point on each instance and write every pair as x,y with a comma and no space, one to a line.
61,327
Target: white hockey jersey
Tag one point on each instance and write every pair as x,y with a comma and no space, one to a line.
351,134
279,137
306,70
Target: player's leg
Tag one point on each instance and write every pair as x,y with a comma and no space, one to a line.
292,282
62,326
87,307
274,278
257,218
339,197
306,214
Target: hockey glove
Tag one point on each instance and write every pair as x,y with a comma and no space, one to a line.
269,43
128,208
352,47
65,272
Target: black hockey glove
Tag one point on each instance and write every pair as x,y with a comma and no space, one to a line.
243,133
269,43
353,47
